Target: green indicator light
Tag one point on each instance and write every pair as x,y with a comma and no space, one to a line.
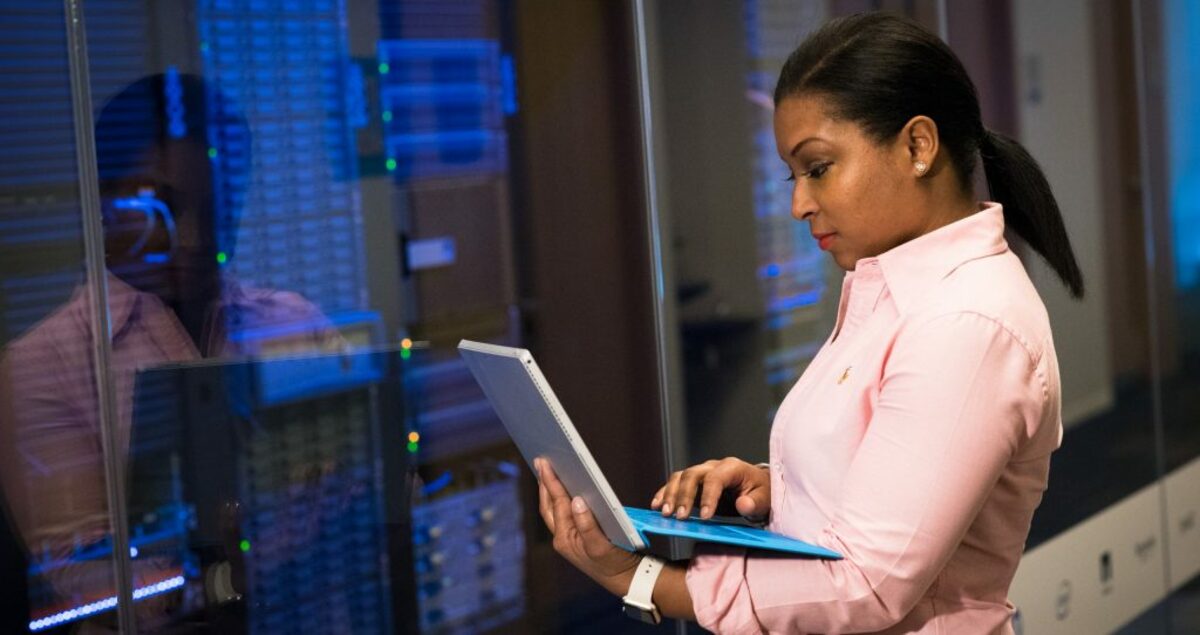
387,115
221,257
212,153
406,353
244,545
384,68
204,47
412,447
391,164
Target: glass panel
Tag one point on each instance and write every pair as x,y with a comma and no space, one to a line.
307,205
755,296
55,544
1069,116
1170,30
1179,258
1164,33
1074,105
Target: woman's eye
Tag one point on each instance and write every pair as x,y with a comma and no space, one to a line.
814,173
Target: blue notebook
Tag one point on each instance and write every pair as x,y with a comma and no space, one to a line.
537,423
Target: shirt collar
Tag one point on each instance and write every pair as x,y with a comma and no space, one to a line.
912,268
123,301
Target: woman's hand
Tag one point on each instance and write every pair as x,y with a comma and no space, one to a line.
748,485
578,537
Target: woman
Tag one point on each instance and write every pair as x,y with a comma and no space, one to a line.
918,441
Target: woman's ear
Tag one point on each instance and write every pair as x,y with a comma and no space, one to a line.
919,139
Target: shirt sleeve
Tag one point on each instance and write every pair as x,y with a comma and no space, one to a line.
52,471
960,394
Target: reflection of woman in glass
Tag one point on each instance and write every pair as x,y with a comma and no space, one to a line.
168,240
918,441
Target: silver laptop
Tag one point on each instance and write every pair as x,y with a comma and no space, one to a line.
540,427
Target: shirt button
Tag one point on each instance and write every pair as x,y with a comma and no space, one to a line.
778,466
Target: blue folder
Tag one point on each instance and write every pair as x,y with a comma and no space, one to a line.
647,521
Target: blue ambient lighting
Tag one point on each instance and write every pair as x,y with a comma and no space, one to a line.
106,604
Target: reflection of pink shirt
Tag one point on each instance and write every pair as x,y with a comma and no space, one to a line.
55,486
52,468
917,444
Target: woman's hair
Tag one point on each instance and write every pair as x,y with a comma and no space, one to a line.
880,70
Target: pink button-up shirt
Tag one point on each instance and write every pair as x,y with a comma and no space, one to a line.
917,444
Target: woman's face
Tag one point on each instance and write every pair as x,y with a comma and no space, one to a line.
860,198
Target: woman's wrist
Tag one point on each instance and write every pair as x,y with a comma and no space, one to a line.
670,590
671,594
618,583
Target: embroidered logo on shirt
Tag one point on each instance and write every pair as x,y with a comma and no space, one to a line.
845,375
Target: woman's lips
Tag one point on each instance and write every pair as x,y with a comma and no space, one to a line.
825,241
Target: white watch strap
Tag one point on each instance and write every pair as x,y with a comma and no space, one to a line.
641,589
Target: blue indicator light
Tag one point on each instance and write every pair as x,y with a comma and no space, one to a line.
508,84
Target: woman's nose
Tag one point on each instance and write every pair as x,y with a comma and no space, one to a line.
803,206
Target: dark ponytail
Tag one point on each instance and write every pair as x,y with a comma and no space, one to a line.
880,70
1018,183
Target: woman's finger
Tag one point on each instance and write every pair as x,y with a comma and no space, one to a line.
711,489
657,501
564,522
727,475
544,502
595,544
553,485
544,506
753,505
669,494
559,502
685,494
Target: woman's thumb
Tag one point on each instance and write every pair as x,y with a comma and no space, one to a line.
752,505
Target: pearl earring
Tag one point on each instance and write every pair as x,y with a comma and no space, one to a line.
921,166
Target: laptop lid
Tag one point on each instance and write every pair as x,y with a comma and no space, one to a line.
540,427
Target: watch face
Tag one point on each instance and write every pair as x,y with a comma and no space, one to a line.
642,615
